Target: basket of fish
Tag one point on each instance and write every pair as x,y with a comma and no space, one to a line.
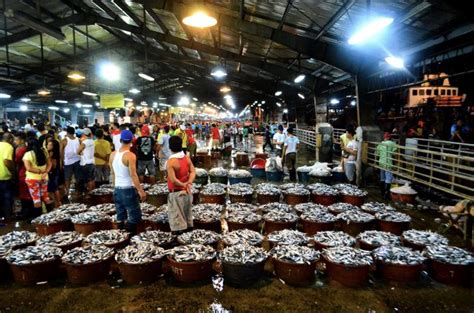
102,195
72,208
267,193
419,239
276,206
140,262
393,221
241,159
202,177
400,264
287,186
65,240
279,220
112,238
104,208
159,238
316,220
354,222
240,236
196,191
88,222
376,207
157,220
148,208
205,216
34,264
141,226
191,263
372,239
323,194
450,265
341,207
287,237
294,196
405,194
240,193
331,238
353,196
240,176
308,206
199,237
51,223
294,264
213,193
241,207
158,194
219,175
348,266
89,264
243,220
18,239
5,273
242,264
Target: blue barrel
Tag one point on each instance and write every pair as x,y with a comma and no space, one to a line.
274,176
303,177
339,177
245,180
258,172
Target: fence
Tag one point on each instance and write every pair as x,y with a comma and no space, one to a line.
306,136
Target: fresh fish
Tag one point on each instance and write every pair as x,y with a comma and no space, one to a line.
355,216
243,254
379,238
348,256
268,189
240,189
297,191
148,208
140,253
279,216
243,217
156,237
17,238
53,217
318,215
240,236
376,207
72,208
218,172
341,187
341,207
102,191
322,189
424,238
214,189
287,186
309,206
159,217
354,192
89,218
295,254
239,173
449,255
34,255
206,214
241,207
200,172
288,237
105,208
145,186
332,238
158,189
106,237
398,255
199,236
192,253
60,239
393,216
88,254
275,206
4,251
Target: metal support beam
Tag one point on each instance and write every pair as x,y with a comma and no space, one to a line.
335,18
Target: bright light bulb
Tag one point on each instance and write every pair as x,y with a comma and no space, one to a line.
200,19
300,78
109,71
52,108
219,73
395,62
278,93
134,91
334,101
66,110
301,95
88,93
353,102
25,99
146,77
285,110
4,96
23,107
278,104
87,111
370,30
60,101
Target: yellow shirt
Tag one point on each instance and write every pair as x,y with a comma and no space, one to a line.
103,148
30,156
6,153
183,136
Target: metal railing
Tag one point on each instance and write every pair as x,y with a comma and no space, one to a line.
336,134
307,137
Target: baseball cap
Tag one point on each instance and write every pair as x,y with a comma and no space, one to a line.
86,131
126,135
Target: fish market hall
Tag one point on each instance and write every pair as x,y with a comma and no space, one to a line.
236,156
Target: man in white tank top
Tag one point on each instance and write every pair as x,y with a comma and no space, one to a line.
128,192
86,151
70,159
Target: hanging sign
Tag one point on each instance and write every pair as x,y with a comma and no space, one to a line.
111,101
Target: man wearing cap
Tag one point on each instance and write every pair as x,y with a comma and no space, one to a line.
384,153
145,154
128,192
86,151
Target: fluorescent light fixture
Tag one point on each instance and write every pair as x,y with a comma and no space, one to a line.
370,30
219,73
109,71
227,97
87,111
334,101
184,101
200,19
128,99
66,110
395,62
60,101
300,78
161,98
155,104
78,105
278,93
23,107
224,89
353,102
134,91
263,102
97,104
285,110
44,92
88,93
259,104
76,75
87,105
300,95
278,104
143,103
25,99
52,108
5,96
146,77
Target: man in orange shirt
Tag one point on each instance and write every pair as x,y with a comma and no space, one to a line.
216,137
192,147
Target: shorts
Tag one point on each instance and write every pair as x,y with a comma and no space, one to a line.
386,176
102,173
127,205
145,166
53,183
38,190
72,169
163,164
180,214
87,173
350,170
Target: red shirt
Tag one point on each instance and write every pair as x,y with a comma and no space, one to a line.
189,133
215,133
182,174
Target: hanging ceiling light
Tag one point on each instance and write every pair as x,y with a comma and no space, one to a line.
128,99
146,77
219,73
278,93
200,19
4,96
224,89
370,30
76,75
23,107
395,62
109,71
61,101
134,91
278,104
300,78
44,92
334,101
88,93
24,99
301,95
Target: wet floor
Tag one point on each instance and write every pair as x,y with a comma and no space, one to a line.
268,295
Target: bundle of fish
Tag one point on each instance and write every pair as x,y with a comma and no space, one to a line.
156,237
243,217
199,236
17,238
200,172
34,255
159,217
88,255
72,208
213,189
354,192
106,237
241,207
141,253
393,216
295,254
322,190
218,172
286,186
242,236
219,208
158,189
148,208
424,238
341,187
51,218
355,217
376,207
206,215
281,217
333,238
309,206
4,251
288,237
239,173
296,191
195,188
90,218
102,191
449,255
379,238
276,206
318,216
398,255
268,189
192,253
341,207
348,256
60,239
240,189
243,254
105,208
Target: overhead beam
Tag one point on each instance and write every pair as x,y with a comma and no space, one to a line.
335,18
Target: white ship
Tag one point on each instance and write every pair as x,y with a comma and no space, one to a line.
442,96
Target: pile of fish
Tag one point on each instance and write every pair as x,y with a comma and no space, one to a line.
4,251
51,218
88,255
110,186
296,191
379,238
449,255
267,189
156,237
320,169
318,216
18,238
105,208
158,189
34,255
275,206
159,217
141,253
192,253
199,236
208,207
376,207
200,172
218,172
353,192
60,239
242,236
322,190
398,255
243,254
341,187
107,237
281,217
288,237
355,217
308,206
423,238
102,191
287,186
147,208
213,189
205,215
241,207
341,207
72,208
348,256
240,189
90,218
145,186
295,254
393,216
244,217
239,173
333,238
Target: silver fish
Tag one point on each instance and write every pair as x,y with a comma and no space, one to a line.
72,208
309,206
242,236
449,255
17,238
218,172
341,207
348,256
102,191
295,254
158,189
332,238
148,208
60,239
105,208
90,217
53,217
238,173
156,237
288,237
393,216
240,189
379,238
268,189
34,255
398,255
424,238
106,237
192,253
287,186
88,254
275,206
297,191
199,236
376,207
141,253
200,172
355,216
214,189
243,254
241,207
279,216
243,217
318,215
322,189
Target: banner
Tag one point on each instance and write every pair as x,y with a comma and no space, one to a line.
111,101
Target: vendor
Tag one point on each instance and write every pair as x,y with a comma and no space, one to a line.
350,157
